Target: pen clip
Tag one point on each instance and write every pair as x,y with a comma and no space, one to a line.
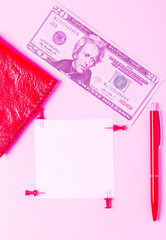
156,122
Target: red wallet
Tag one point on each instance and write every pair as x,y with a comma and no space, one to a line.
23,89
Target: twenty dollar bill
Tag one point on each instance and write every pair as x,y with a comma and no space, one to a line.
96,64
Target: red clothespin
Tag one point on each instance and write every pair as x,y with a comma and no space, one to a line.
34,193
40,113
108,202
40,117
108,199
117,127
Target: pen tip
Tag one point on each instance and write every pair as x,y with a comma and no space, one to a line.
154,219
154,215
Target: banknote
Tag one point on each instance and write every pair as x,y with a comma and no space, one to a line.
98,65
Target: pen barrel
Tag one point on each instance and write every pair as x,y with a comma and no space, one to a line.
154,168
154,141
154,196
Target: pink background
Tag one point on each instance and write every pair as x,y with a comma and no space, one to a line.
138,27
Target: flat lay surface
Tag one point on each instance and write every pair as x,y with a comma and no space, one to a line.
138,28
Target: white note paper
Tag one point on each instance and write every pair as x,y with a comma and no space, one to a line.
74,158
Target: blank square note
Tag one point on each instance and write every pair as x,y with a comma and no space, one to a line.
74,158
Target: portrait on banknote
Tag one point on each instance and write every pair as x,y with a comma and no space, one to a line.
87,52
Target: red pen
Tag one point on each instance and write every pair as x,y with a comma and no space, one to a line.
154,165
